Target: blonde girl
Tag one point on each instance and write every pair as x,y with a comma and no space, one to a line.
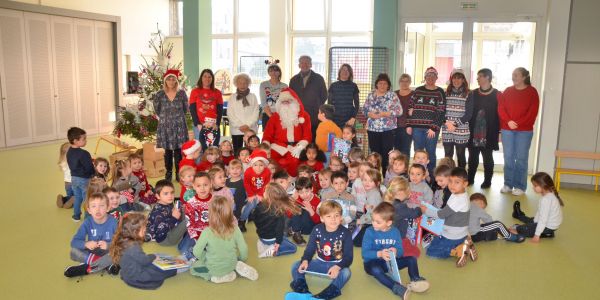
211,155
226,148
405,218
67,200
128,185
221,248
218,179
126,251
371,181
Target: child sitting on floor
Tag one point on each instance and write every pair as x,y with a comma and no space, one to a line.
145,194
324,182
219,187
398,167
128,187
211,155
308,217
235,183
226,148
256,179
253,142
313,157
221,249
482,226
196,211
421,157
191,151
244,157
114,202
374,159
186,181
405,218
102,168
419,189
442,192
166,222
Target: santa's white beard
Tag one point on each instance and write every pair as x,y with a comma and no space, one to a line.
288,113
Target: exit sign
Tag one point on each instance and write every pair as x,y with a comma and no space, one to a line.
468,5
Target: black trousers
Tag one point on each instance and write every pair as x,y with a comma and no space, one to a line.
488,163
382,143
460,153
169,155
238,142
489,232
528,229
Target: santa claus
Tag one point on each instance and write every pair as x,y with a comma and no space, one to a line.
288,131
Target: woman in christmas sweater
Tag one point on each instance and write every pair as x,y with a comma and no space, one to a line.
242,110
205,98
269,93
455,132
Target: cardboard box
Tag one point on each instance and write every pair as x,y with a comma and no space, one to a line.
160,164
153,173
155,168
152,153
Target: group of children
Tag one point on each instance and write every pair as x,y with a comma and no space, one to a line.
339,205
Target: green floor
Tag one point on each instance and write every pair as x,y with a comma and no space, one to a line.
36,236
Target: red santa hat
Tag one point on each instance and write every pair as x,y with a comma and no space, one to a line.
258,155
172,72
288,93
190,147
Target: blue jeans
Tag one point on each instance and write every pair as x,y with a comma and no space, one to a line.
69,191
402,140
320,266
440,247
286,247
186,246
378,269
79,186
302,223
423,142
516,156
248,208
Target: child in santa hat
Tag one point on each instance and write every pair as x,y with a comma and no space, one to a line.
256,178
191,151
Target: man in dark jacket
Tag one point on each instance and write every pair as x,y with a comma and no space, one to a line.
311,89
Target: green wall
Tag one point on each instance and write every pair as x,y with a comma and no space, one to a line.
385,27
197,44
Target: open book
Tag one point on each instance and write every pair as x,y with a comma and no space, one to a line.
169,262
430,224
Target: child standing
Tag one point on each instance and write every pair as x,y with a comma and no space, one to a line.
211,155
236,186
137,269
382,243
218,181
166,222
419,189
397,168
313,157
304,222
489,230
549,214
332,243
269,218
145,194
67,200
186,180
256,179
114,201
326,127
196,211
442,192
191,152
454,239
221,250
81,167
89,246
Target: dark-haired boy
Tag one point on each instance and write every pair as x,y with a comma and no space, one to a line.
81,166
166,223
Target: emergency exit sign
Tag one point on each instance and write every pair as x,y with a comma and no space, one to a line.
468,5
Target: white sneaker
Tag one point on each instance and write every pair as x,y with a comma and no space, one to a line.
505,189
265,251
226,278
246,271
518,192
418,286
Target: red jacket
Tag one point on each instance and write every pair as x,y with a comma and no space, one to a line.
318,166
227,159
314,203
255,183
276,134
204,166
520,106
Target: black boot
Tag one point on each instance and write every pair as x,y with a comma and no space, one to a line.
177,155
242,225
169,164
299,286
75,271
517,212
486,184
329,292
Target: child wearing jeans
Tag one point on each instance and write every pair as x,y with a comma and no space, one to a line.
166,222
81,167
137,269
382,243
332,243
304,222
90,244
67,200
196,211
454,240
482,226
269,218
221,250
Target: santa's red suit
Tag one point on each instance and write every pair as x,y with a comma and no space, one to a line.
288,134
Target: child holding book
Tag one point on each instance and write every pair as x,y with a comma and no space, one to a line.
482,226
269,218
166,222
419,189
126,251
454,240
326,127
191,152
382,243
549,214
67,200
196,211
221,249
304,222
340,194
256,179
236,186
80,166
332,243
145,193
89,245
405,218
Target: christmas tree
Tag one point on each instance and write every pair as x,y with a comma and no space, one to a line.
140,121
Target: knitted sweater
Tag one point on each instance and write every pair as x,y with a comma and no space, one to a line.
323,131
333,246
374,241
269,93
420,192
255,183
219,255
196,210
80,163
429,108
344,96
239,115
204,100
161,221
521,106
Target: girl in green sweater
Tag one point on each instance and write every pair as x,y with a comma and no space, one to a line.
221,248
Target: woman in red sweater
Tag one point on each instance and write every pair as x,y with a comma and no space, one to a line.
517,108
206,100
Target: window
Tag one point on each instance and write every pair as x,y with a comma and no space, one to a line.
175,17
318,25
239,29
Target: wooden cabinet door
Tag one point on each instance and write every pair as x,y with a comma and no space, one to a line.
86,76
106,79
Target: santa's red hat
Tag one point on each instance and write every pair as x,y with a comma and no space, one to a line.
288,93
172,72
258,155
190,147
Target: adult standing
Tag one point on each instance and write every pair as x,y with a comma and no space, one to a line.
427,114
382,109
171,105
518,108
343,95
242,110
484,127
402,140
206,101
269,92
459,109
311,89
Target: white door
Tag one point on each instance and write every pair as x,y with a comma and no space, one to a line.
2,140
86,75
105,59
41,87
65,81
13,74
